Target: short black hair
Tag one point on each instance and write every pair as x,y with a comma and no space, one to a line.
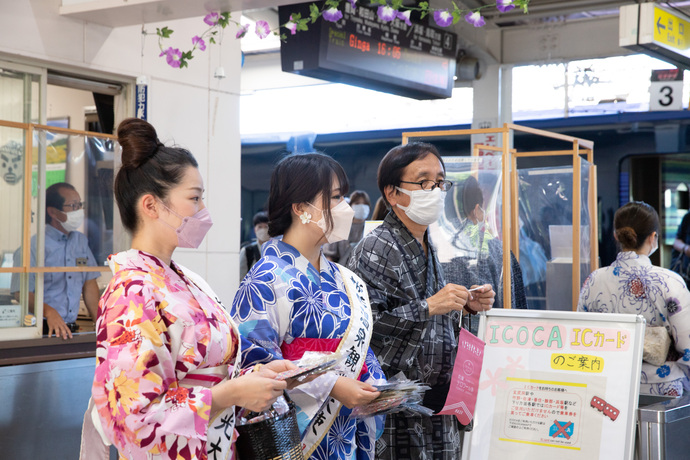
54,198
260,217
471,195
397,159
360,195
299,178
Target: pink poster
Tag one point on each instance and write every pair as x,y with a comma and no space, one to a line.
464,386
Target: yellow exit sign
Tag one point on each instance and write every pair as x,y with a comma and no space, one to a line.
671,29
656,31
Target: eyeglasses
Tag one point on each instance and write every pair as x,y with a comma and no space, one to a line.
74,206
428,185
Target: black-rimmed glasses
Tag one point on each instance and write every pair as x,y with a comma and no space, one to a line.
74,206
428,184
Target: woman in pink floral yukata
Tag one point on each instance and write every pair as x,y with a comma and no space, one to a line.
165,385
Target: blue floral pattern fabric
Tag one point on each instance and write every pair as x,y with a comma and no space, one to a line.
633,285
284,297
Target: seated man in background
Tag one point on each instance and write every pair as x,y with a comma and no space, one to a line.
64,247
252,252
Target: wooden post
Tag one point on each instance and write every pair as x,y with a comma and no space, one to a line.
505,163
577,183
515,209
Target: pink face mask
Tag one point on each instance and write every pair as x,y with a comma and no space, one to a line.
193,229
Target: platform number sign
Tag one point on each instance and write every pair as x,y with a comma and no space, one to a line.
666,90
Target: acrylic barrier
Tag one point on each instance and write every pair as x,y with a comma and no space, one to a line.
557,384
45,156
545,200
469,233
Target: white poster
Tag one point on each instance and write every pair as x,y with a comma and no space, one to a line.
557,385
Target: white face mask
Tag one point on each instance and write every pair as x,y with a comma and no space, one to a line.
262,234
74,220
361,211
342,215
655,247
425,207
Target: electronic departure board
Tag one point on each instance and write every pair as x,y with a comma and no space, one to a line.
415,61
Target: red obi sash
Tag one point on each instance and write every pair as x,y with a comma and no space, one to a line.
295,350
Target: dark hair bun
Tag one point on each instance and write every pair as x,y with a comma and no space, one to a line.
627,237
139,142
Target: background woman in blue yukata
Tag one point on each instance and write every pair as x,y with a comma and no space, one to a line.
294,301
633,285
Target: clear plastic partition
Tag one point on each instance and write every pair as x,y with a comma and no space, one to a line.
546,198
12,156
71,224
85,163
469,233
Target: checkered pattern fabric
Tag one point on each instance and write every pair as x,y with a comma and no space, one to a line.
400,277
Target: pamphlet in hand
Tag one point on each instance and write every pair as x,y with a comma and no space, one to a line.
398,394
311,363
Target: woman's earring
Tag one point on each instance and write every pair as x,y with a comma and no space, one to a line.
305,217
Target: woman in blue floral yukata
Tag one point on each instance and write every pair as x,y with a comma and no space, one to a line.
633,285
294,301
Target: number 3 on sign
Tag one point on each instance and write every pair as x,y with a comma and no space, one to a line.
666,95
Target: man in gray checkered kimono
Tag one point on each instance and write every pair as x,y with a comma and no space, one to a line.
416,314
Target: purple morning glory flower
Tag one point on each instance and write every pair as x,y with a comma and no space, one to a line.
443,18
353,4
386,13
199,42
172,56
475,19
504,5
405,17
291,26
242,31
212,19
262,29
332,15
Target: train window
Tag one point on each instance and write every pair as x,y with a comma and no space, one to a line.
661,181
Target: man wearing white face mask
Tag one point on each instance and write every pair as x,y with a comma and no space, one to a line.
65,246
416,313
340,252
252,252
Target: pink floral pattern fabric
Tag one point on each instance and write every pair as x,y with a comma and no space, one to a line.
159,338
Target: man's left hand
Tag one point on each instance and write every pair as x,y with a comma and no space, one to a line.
481,299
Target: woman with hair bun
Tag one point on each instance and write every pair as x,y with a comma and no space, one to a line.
294,301
167,373
633,285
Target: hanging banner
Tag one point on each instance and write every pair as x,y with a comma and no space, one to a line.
557,384
462,396
142,98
